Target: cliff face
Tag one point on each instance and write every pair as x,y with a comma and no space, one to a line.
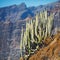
10,39
12,18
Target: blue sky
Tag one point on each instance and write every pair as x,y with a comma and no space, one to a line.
4,3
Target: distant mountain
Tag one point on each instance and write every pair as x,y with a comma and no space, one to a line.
21,12
15,12
18,12
12,18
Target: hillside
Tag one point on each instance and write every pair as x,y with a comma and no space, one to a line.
49,52
13,18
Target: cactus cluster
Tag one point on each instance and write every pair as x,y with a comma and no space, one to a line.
36,31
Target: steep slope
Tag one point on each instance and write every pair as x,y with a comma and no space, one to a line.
49,52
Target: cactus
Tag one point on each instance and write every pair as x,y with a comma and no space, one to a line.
32,31
50,24
36,24
28,37
36,30
21,43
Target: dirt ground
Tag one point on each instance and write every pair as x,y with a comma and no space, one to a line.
51,51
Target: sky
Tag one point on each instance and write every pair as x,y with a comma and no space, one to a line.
4,3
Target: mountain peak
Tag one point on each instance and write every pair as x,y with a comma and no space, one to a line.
58,0
22,5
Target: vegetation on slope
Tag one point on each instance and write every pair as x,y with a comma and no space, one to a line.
49,52
36,32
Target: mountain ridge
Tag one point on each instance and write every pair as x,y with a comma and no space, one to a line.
15,12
